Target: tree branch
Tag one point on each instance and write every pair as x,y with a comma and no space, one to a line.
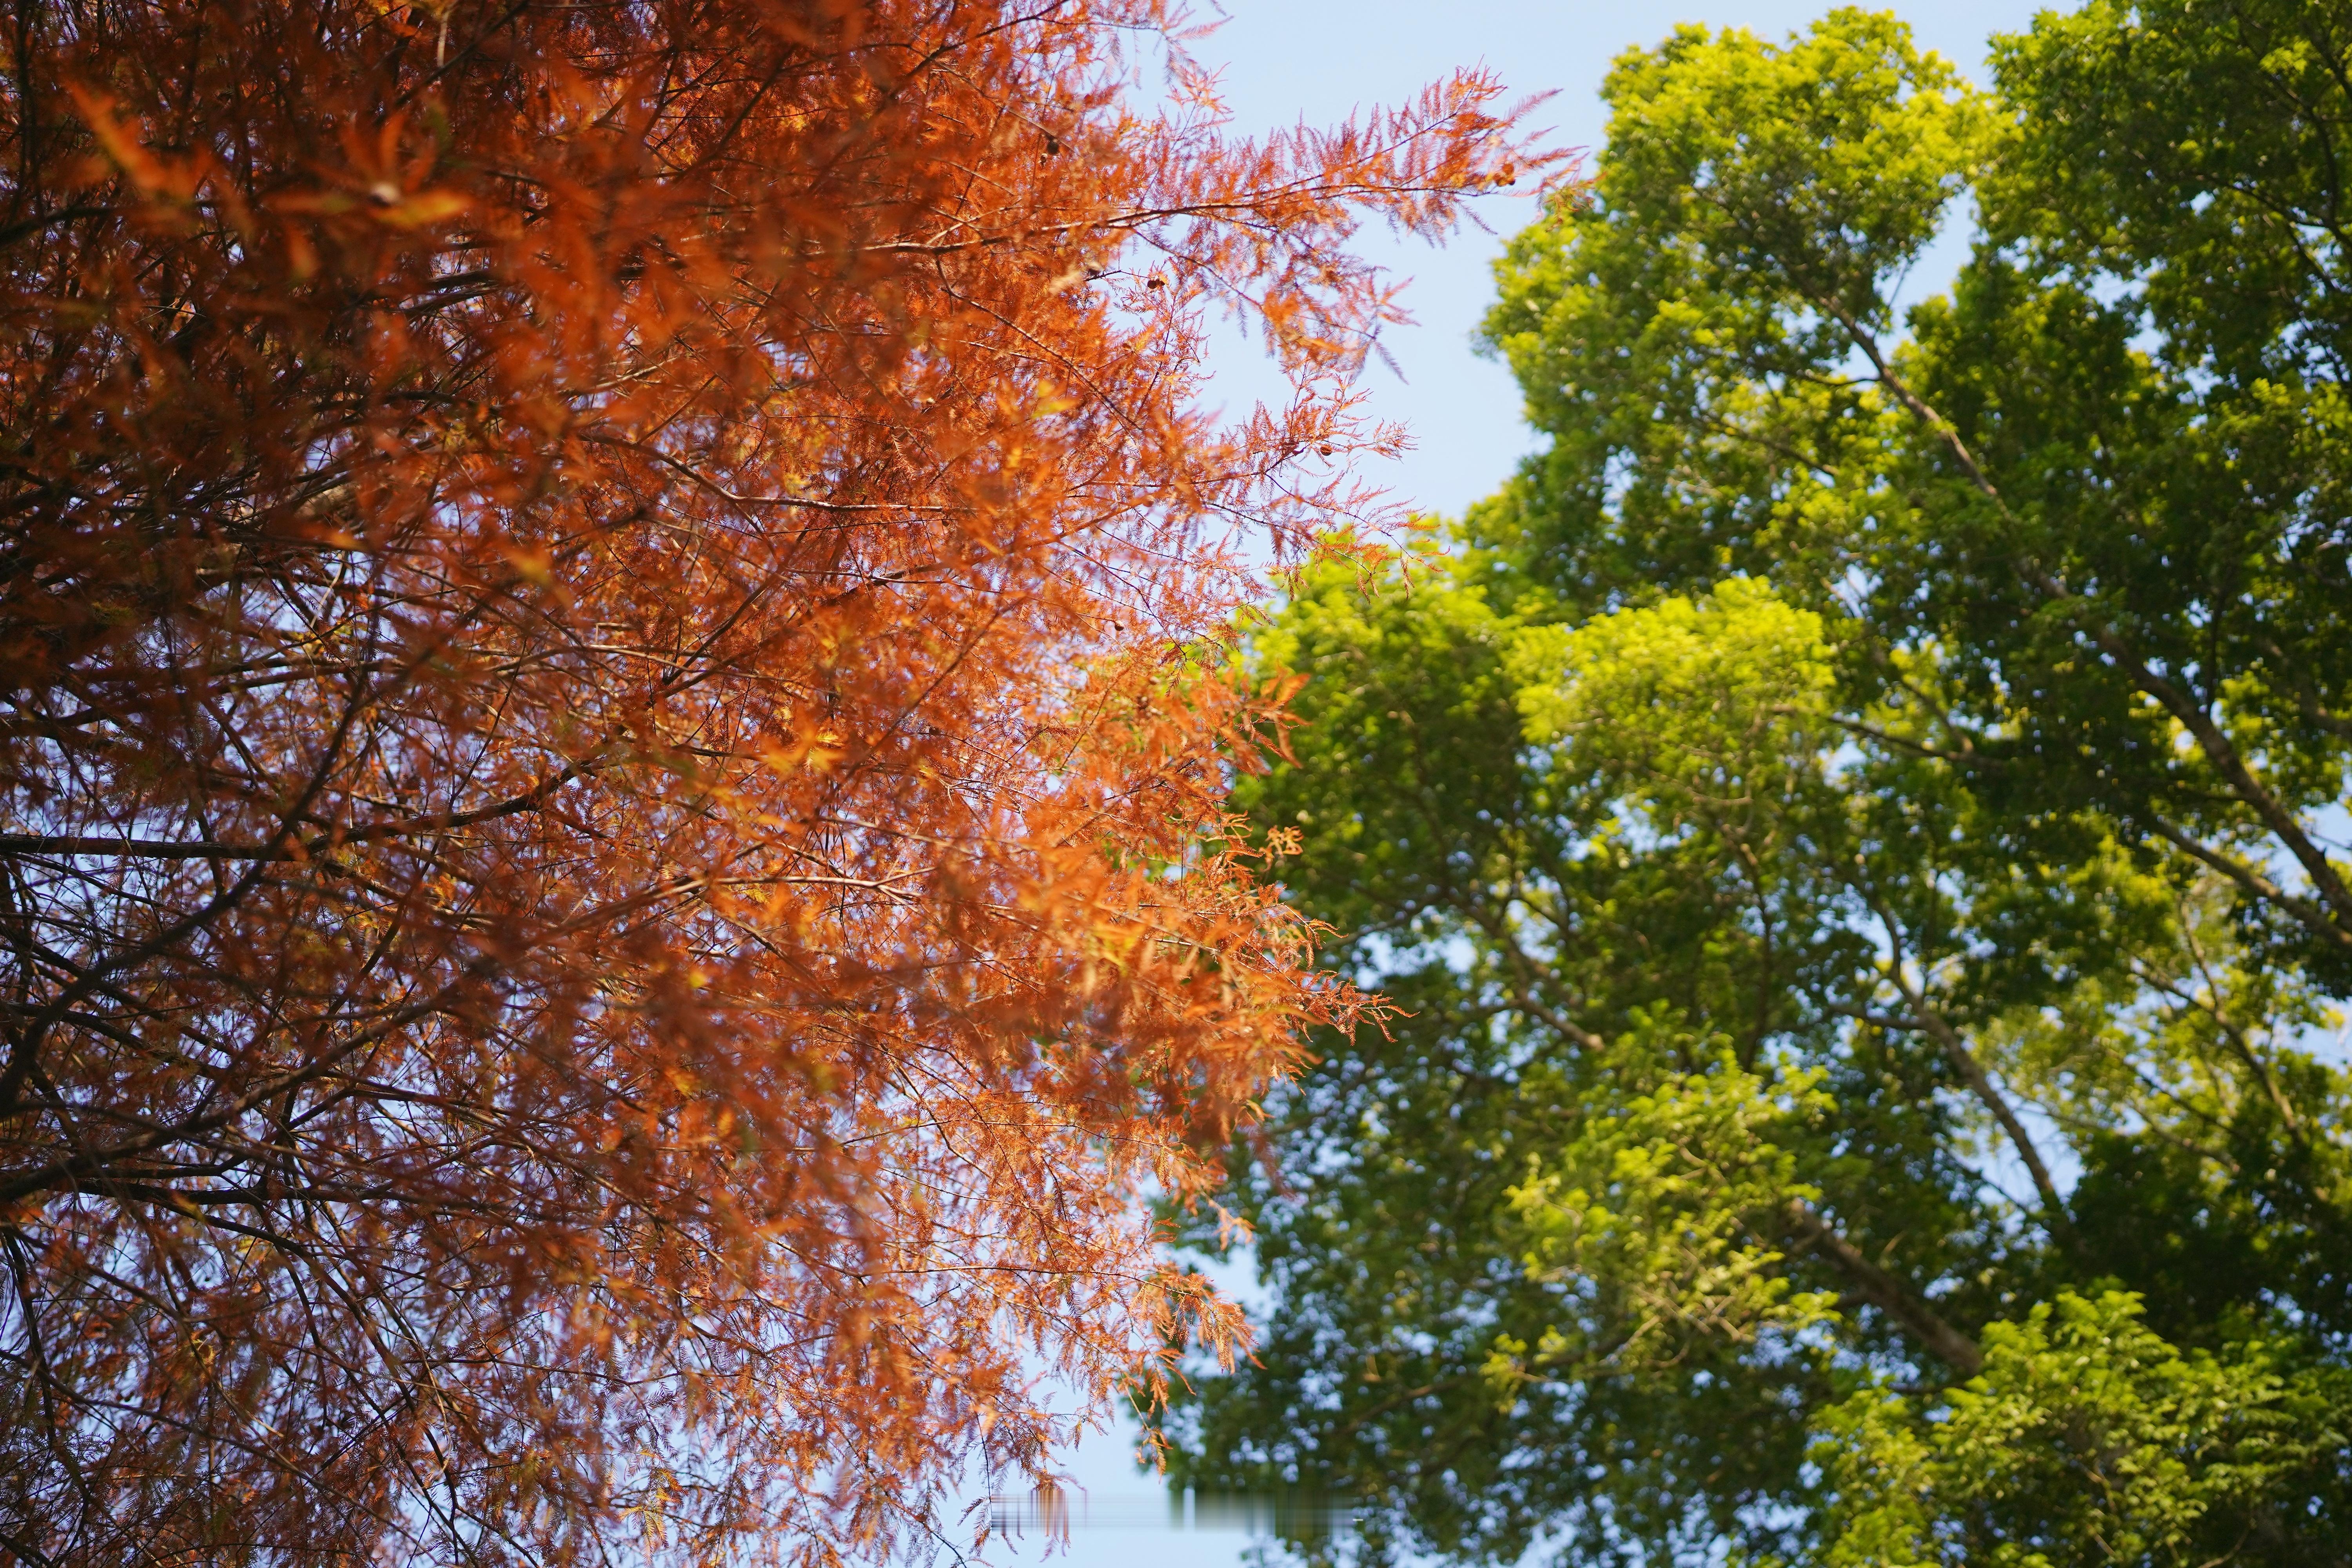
1885,1293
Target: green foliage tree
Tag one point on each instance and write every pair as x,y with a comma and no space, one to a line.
1855,830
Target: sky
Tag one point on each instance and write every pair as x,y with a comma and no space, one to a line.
1319,60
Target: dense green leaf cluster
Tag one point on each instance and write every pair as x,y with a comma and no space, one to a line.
1856,829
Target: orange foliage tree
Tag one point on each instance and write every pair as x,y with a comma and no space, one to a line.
612,876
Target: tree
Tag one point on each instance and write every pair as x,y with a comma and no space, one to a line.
614,866
1854,826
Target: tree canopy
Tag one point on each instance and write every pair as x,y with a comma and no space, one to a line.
1856,829
613,864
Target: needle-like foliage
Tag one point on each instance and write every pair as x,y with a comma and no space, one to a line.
613,866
